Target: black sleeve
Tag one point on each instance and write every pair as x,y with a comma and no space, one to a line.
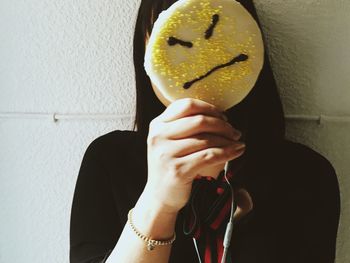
309,214
94,222
321,217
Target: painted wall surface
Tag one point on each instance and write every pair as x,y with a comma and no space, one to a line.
75,57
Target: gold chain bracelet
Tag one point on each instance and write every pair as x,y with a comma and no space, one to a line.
151,243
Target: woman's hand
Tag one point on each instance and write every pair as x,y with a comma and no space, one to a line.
187,139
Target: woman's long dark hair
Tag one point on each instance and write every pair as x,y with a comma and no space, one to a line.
259,116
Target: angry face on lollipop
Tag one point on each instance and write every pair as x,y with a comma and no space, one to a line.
205,49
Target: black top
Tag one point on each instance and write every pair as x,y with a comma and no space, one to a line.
295,195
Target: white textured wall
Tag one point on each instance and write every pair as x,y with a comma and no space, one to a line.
70,57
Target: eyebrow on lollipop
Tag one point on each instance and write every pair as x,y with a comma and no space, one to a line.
173,41
214,21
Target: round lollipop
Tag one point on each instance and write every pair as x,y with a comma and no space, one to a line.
210,50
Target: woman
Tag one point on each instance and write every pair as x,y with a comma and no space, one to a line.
287,194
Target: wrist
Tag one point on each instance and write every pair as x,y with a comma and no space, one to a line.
151,243
153,219
161,200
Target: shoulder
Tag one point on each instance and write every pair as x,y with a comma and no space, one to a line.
117,149
121,138
117,142
306,172
302,157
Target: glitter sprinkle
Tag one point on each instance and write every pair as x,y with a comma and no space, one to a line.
178,64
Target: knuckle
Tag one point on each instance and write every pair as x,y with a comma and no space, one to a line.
154,132
200,120
163,155
175,168
152,123
209,156
189,103
152,139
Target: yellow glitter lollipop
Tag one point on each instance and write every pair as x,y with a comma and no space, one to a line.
205,49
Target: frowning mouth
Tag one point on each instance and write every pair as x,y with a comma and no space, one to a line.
239,58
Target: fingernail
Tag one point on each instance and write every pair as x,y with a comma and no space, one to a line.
224,117
241,144
236,135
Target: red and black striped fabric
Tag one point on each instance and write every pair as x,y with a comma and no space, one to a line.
207,214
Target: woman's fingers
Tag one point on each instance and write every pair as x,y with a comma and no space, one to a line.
192,125
200,142
188,139
211,156
187,107
244,203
